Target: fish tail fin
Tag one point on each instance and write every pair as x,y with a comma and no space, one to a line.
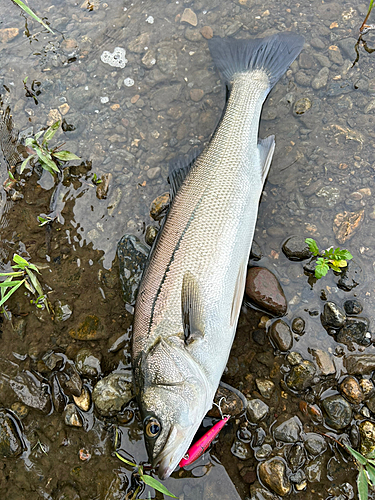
273,54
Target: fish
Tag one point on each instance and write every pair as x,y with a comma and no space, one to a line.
192,287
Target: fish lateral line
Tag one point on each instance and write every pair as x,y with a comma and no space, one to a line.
199,447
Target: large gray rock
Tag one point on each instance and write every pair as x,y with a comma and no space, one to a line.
289,431
338,412
112,393
256,410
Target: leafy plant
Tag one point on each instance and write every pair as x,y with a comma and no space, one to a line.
95,180
27,9
23,273
49,159
366,471
151,481
334,259
364,25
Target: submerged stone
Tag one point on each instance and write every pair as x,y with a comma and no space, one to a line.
281,335
301,375
354,330
296,249
289,431
359,364
90,328
353,306
256,410
351,389
333,315
273,474
338,412
113,392
350,277
367,433
264,289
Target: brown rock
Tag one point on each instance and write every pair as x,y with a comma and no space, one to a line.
196,94
272,474
324,361
53,116
351,389
281,335
69,44
102,188
189,17
7,34
346,224
159,206
89,329
207,32
229,402
64,108
263,288
367,433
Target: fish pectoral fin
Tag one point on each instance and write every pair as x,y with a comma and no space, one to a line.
238,294
266,149
191,308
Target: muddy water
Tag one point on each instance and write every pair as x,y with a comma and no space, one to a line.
127,113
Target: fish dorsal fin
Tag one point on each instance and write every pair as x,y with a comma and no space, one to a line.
191,308
266,149
178,170
238,294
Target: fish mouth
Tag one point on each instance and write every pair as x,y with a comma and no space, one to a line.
174,450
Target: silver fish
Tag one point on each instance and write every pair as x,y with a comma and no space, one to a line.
191,292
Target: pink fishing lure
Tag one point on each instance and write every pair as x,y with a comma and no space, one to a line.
198,448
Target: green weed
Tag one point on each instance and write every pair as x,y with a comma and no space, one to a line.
27,9
23,273
335,259
151,481
364,25
49,159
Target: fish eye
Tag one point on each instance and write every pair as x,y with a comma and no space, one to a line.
152,427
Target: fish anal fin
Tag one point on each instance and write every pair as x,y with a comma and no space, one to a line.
238,294
266,149
191,308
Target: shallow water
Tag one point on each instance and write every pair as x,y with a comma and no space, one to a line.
129,122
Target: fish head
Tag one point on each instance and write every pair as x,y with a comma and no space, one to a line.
173,397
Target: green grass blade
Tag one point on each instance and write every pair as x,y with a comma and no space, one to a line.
362,485
66,156
50,132
9,284
35,282
154,483
20,260
371,473
132,464
32,14
360,458
25,162
44,159
6,297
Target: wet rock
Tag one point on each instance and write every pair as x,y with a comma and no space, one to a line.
190,17
265,387
296,456
347,45
7,34
338,412
53,361
321,79
159,206
315,470
256,410
263,288
289,431
301,375
281,335
103,187
353,306
231,404
139,43
19,327
58,397
351,389
84,400
149,59
88,363
112,392
207,32
72,416
62,311
20,410
259,336
296,249
333,315
263,452
294,358
150,234
241,450
90,328
273,474
315,443
196,94
354,330
298,326
367,387
313,412
367,433
153,173
256,252
132,256
70,380
346,224
259,493
359,364
10,440
299,480
301,106
324,361
350,277
31,391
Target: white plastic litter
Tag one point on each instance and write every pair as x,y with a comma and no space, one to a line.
116,58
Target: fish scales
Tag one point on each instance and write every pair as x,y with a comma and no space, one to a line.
191,291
